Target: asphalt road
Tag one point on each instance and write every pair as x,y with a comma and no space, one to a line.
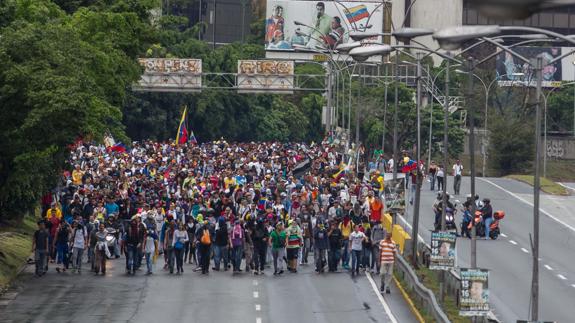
192,297
510,258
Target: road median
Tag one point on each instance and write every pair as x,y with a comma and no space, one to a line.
548,186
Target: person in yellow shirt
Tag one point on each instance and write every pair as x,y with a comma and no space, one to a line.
346,227
77,174
57,210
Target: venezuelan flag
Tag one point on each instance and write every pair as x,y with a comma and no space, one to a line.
182,136
356,13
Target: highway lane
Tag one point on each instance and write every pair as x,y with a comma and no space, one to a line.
509,257
218,297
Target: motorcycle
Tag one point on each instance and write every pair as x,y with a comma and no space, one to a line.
449,219
494,230
111,238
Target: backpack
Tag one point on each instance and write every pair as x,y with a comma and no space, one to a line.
206,239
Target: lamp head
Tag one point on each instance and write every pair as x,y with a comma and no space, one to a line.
406,34
357,36
452,38
346,47
361,54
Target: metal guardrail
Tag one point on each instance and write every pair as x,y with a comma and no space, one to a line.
423,294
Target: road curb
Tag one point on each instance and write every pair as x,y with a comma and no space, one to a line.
409,301
6,288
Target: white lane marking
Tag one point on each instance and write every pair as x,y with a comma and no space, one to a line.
256,294
530,204
255,282
512,242
567,187
573,285
258,320
524,250
258,307
548,267
383,302
562,277
503,235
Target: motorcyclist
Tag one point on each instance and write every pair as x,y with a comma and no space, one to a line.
438,208
487,215
466,219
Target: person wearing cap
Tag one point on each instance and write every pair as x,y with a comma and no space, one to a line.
278,241
294,242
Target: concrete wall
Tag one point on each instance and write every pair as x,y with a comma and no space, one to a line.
561,148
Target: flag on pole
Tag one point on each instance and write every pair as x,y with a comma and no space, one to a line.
182,136
193,139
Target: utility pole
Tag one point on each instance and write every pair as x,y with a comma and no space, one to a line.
470,113
419,175
329,101
445,173
536,190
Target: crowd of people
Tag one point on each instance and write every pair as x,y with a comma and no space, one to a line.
238,207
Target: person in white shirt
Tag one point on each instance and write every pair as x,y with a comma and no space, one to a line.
79,243
179,243
457,172
356,239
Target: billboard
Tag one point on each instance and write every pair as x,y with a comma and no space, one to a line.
474,292
394,193
170,75
269,76
442,250
511,71
318,26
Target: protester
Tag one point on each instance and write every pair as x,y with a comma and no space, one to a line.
387,255
40,248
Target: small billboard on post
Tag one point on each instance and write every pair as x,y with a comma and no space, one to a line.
474,292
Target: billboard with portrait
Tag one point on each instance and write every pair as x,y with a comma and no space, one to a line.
474,292
512,71
318,26
442,250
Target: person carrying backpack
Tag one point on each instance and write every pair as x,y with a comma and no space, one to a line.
204,247
260,239
277,243
237,238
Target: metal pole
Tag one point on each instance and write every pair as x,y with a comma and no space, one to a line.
545,136
384,115
419,176
471,114
349,109
395,155
362,72
536,188
430,104
200,21
329,98
243,20
445,173
484,141
214,26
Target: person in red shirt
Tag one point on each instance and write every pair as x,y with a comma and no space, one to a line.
53,222
376,210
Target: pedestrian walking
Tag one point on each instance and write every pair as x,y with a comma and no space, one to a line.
237,238
61,244
387,255
457,172
440,175
335,244
260,239
101,251
278,240
178,243
169,246
377,235
204,247
78,244
221,244
432,171
40,245
150,248
356,239
321,244
294,242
